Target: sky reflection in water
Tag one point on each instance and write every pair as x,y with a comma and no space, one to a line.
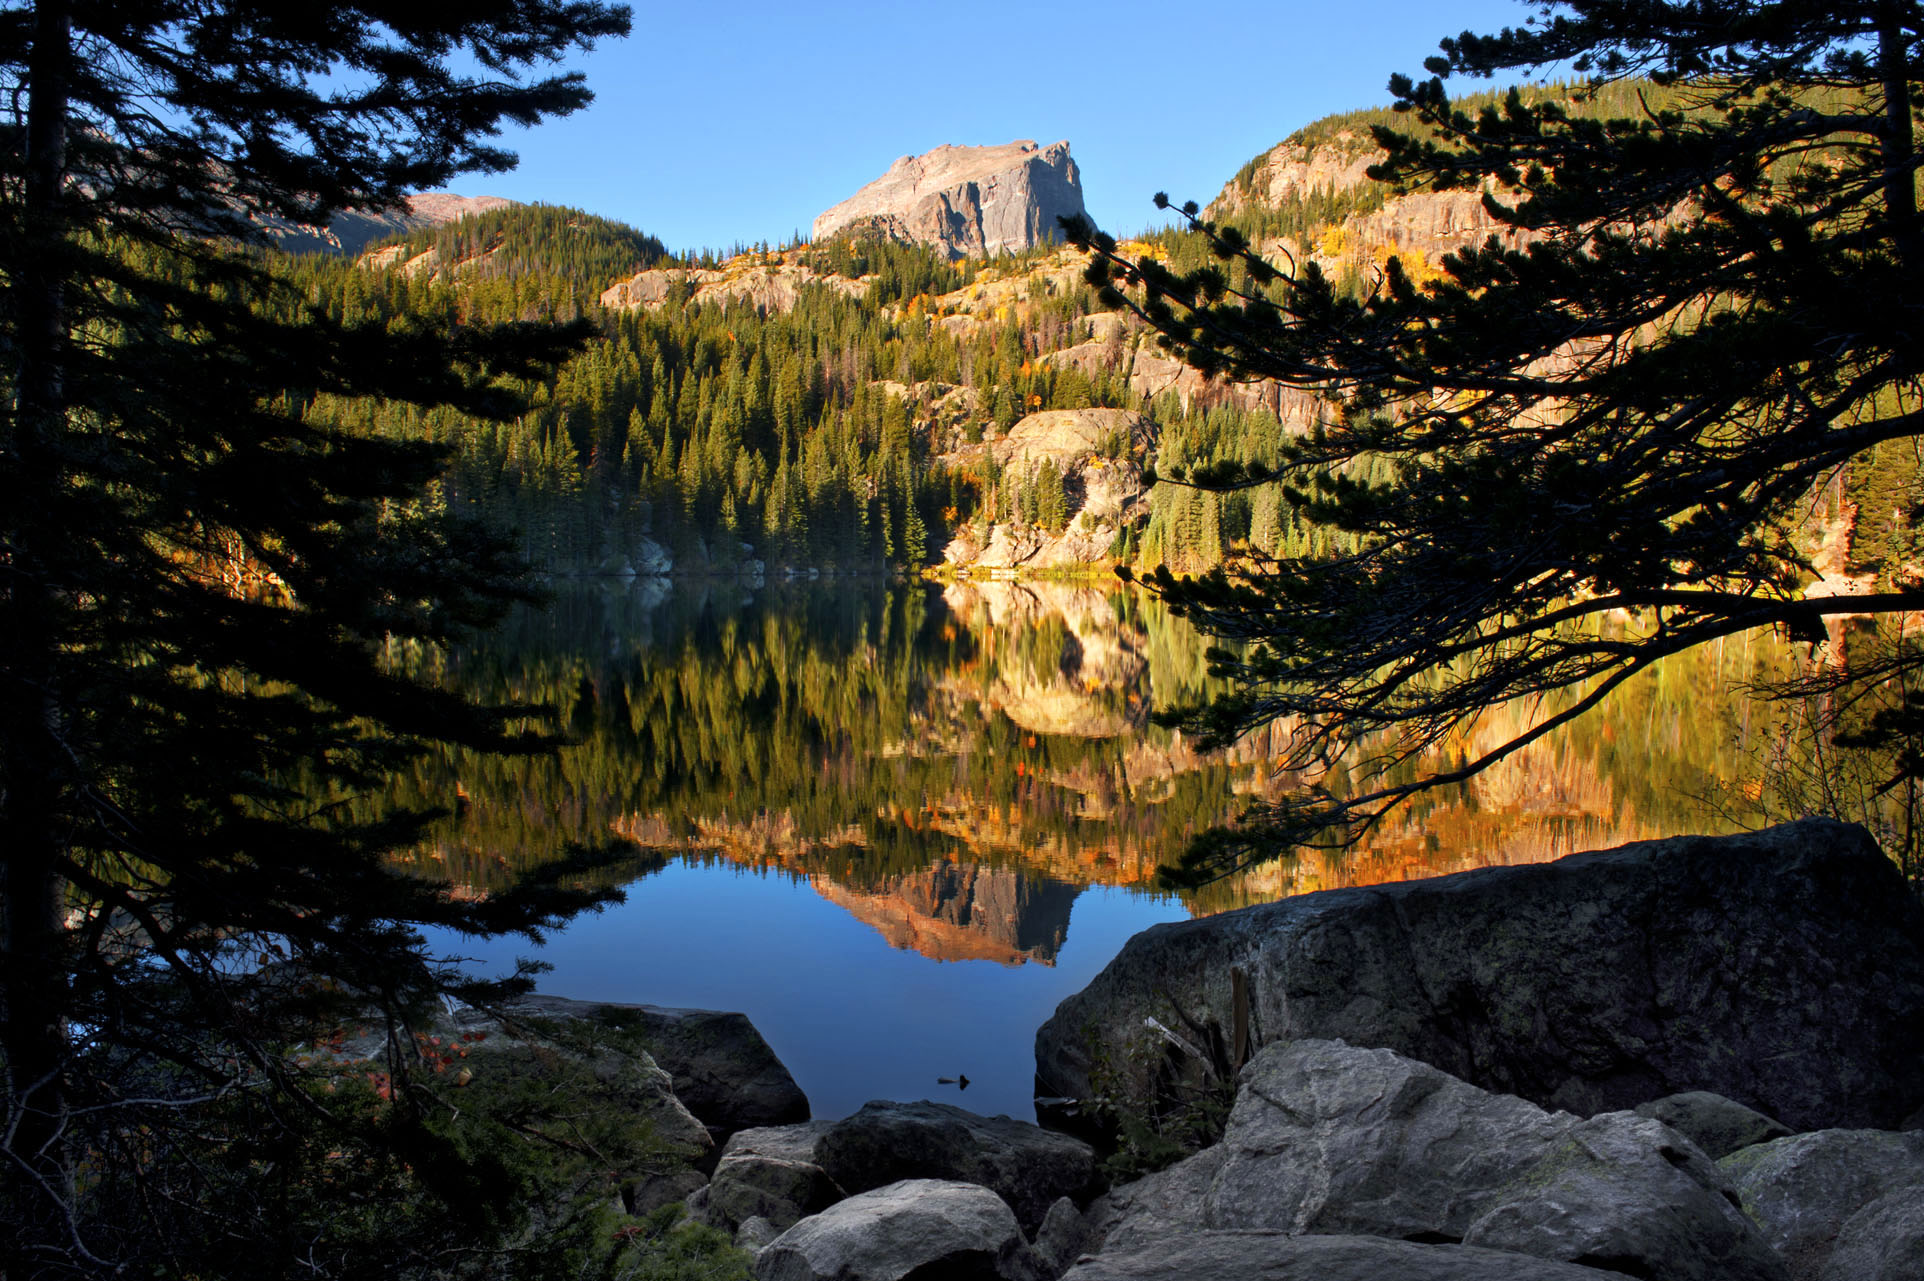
853,1018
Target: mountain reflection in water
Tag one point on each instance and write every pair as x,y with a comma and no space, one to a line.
950,765
830,787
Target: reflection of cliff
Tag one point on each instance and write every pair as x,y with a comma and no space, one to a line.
948,911
1058,659
963,912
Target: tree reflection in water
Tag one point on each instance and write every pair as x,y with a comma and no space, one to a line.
952,765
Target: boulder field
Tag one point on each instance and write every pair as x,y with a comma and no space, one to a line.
1688,1060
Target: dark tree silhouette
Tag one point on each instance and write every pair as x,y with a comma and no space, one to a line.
1622,414
197,582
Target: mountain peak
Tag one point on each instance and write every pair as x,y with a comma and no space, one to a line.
970,202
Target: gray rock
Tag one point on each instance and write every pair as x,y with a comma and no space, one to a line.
1326,1138
1027,1166
1783,969
1714,1123
782,1142
649,1191
1801,1191
772,1174
1278,1256
1628,1194
755,1234
651,559
925,1228
722,1069
1063,1236
1884,1241
967,201
1166,1203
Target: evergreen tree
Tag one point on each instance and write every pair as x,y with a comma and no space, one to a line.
1629,416
200,567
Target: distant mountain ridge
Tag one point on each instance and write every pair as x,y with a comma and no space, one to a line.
969,202
352,231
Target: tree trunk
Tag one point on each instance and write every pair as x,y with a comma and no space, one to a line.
34,974
1899,144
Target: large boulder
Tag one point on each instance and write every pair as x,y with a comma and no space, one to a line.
771,1174
722,1069
1802,1191
1884,1241
549,1043
1628,1194
1327,1138
920,1228
1783,969
1029,1167
1280,1256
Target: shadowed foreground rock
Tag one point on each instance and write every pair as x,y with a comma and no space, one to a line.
1884,1241
1803,1191
1782,969
1277,1256
1714,1123
1027,1166
771,1174
1326,1138
723,1070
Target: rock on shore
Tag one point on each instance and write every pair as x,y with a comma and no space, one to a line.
1781,969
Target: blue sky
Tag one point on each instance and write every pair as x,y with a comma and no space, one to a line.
738,122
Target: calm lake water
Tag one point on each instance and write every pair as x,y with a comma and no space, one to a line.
896,825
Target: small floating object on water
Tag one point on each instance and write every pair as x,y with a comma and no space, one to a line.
960,1082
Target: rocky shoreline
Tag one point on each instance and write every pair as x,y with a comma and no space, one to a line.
1691,1059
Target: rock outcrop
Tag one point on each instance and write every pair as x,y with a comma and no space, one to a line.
1783,969
1884,1241
772,283
1420,227
969,202
1098,456
771,1174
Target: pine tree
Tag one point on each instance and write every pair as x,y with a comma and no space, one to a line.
1629,417
199,568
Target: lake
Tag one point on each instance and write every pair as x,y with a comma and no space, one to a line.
895,825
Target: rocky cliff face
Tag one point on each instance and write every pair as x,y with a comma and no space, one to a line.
1098,453
1420,227
970,202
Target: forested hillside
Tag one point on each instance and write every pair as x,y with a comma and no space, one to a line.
836,406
